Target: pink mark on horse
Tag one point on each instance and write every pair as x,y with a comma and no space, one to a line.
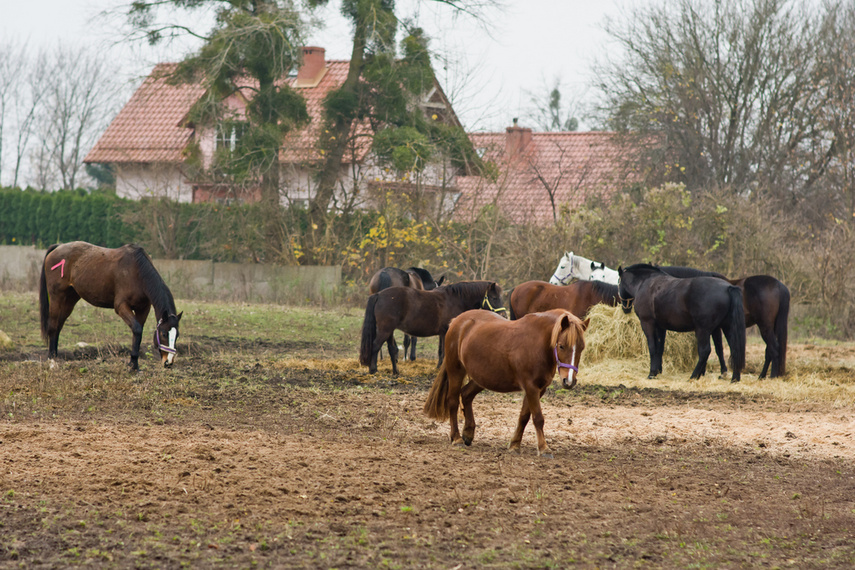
61,266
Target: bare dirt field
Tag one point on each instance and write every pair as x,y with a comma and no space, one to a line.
240,458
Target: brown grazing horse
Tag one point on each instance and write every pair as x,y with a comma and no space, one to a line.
123,279
414,277
420,313
505,356
578,297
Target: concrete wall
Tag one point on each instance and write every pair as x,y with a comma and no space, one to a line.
187,279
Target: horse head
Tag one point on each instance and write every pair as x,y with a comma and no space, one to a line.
563,273
165,337
493,300
626,290
568,342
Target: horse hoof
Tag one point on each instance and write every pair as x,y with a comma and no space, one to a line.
467,441
546,455
458,443
734,381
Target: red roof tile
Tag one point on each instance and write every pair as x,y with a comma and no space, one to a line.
149,127
569,165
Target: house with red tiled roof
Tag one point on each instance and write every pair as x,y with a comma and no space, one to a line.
541,173
156,148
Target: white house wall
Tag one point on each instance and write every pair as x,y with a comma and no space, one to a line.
137,181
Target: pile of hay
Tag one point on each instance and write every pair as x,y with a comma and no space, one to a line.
5,341
612,334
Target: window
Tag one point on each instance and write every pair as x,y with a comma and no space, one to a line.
228,135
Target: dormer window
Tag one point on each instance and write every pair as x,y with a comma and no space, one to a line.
228,135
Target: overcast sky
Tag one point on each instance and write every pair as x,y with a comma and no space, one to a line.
490,73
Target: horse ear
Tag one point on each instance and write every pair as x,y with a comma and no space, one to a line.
619,270
593,265
441,279
565,321
585,323
179,315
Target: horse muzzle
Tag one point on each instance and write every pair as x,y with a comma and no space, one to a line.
167,358
569,381
626,304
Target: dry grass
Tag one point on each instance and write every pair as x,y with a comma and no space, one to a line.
612,334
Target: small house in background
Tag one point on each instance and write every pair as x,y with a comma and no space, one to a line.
157,150
538,174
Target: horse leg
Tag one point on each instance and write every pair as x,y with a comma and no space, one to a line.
455,382
650,331
772,351
703,353
531,408
719,350
660,348
525,414
441,350
392,345
61,305
466,396
127,314
412,341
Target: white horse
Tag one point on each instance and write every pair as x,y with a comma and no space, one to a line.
573,266
602,273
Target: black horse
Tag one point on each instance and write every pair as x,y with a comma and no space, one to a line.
122,279
700,304
420,313
414,277
767,305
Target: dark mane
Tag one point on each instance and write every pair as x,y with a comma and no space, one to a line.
605,289
466,288
423,274
682,272
153,285
644,268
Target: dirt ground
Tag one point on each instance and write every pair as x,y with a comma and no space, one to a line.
333,469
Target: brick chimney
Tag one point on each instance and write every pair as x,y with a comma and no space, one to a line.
313,67
516,140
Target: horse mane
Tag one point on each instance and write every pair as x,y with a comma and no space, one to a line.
423,274
574,331
678,271
604,289
466,288
153,285
644,268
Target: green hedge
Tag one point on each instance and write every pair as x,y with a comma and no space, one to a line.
33,217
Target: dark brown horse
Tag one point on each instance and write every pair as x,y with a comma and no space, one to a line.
701,304
505,356
420,313
415,277
767,304
123,279
577,297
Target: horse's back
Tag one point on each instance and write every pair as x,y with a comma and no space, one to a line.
388,277
539,296
97,274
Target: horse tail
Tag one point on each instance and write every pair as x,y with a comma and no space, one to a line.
737,325
781,328
513,315
369,332
436,405
385,281
44,301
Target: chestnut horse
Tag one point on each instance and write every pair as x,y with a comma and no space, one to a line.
122,279
505,356
578,297
414,277
420,313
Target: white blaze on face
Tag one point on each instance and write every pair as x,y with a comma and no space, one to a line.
172,336
566,374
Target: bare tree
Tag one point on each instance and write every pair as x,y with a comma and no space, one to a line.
550,110
78,99
27,108
731,90
12,66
